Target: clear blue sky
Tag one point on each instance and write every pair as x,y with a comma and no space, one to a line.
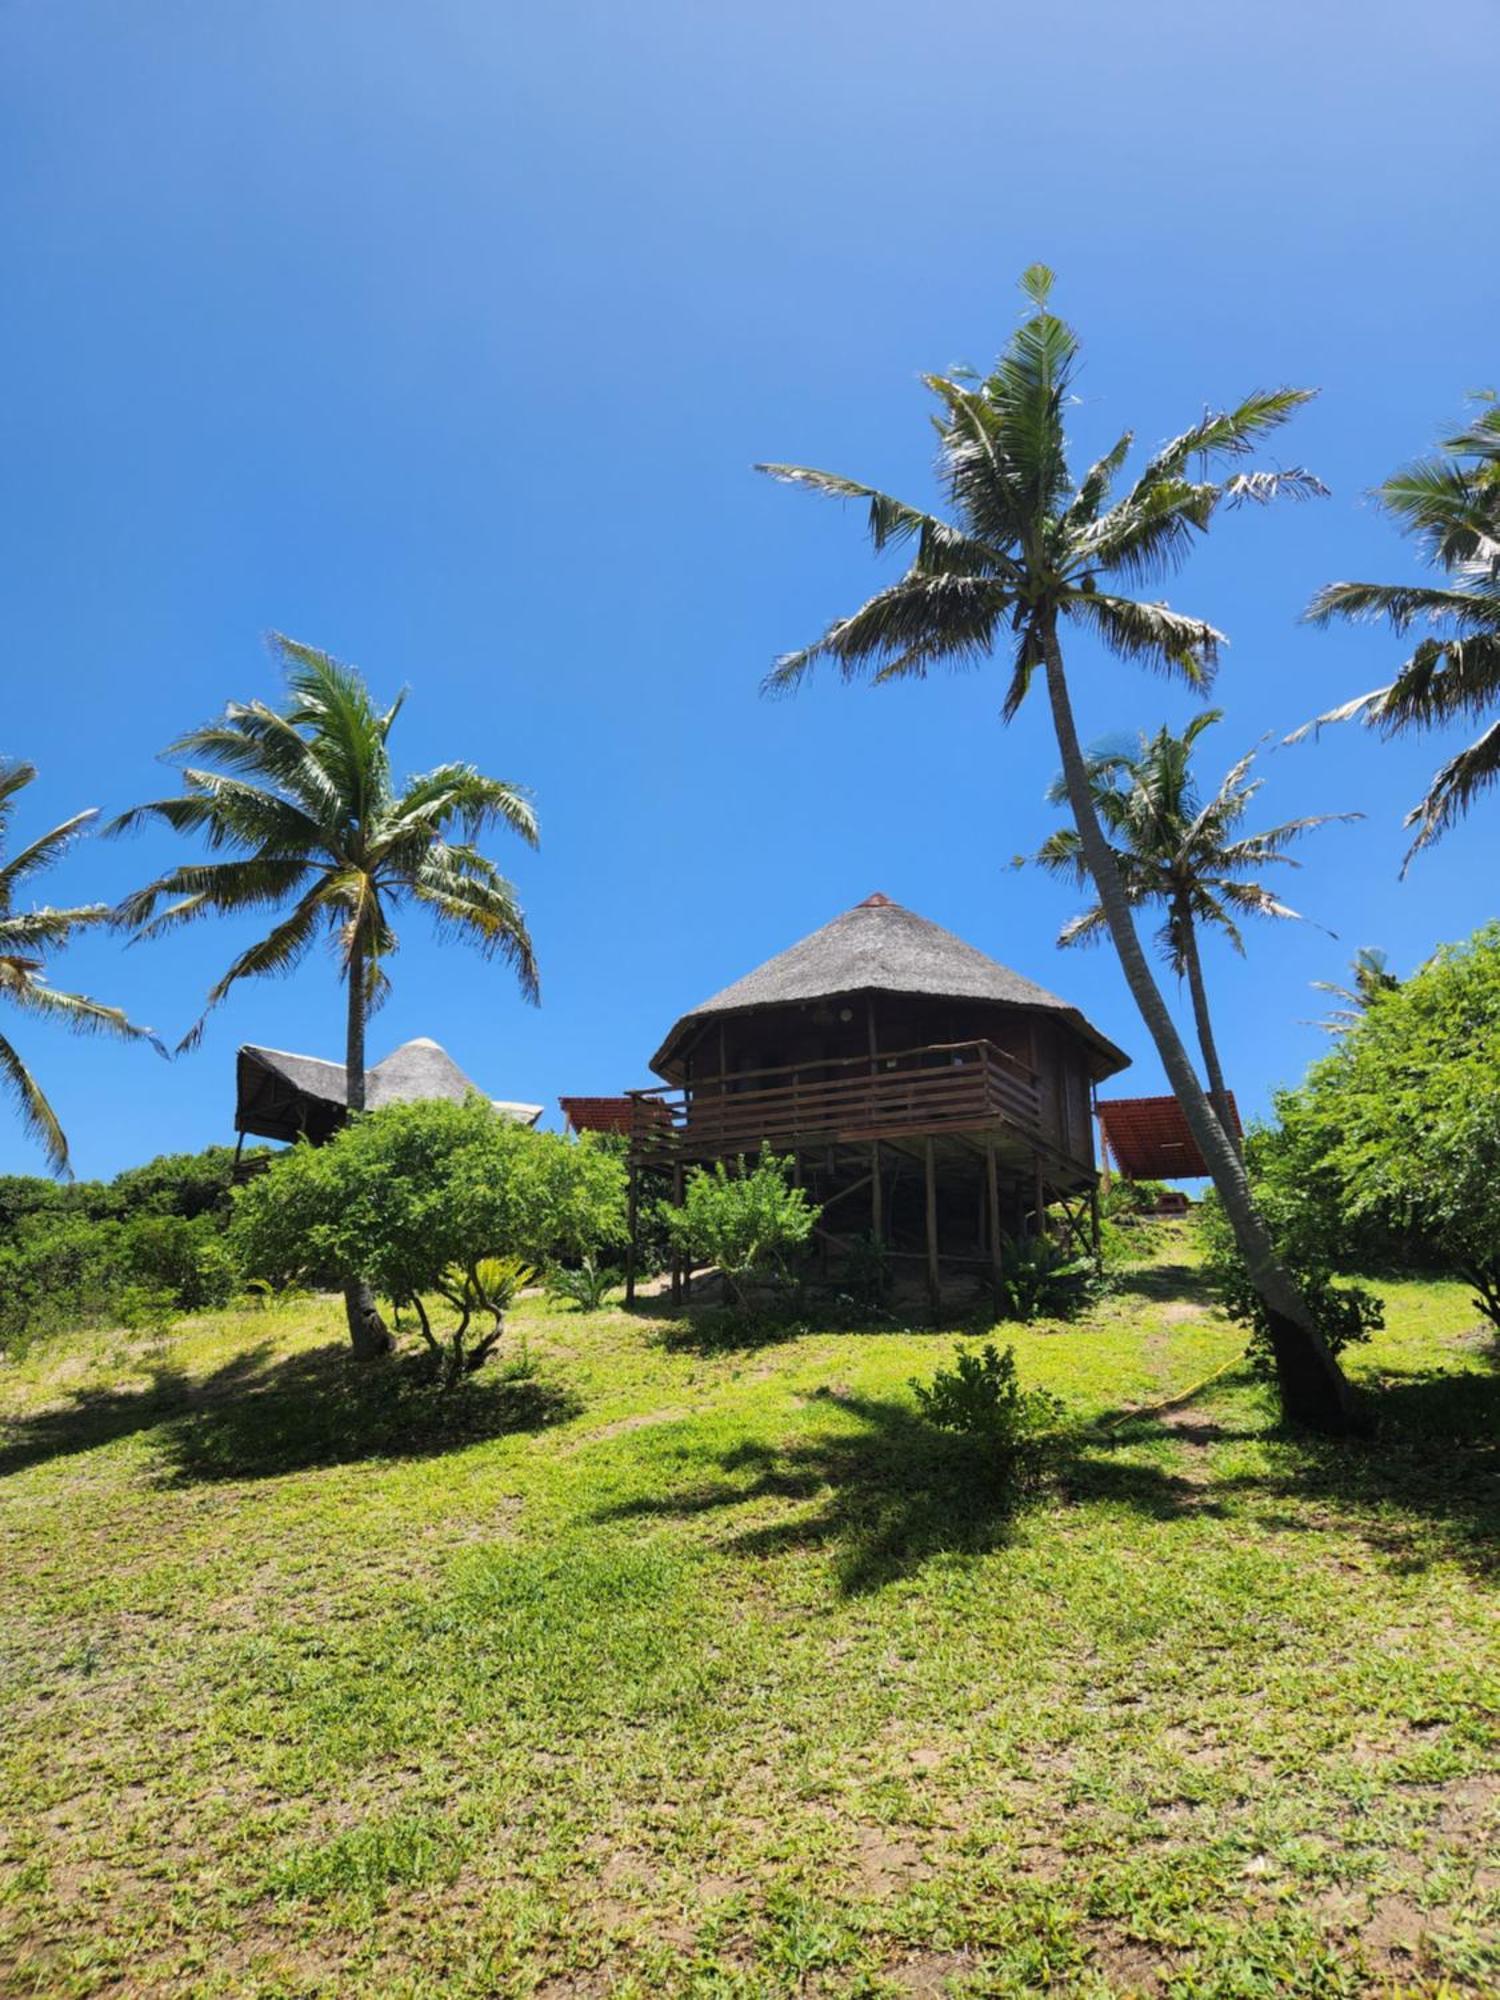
444,337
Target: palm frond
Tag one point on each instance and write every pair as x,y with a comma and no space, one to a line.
1225,434
481,908
1151,634
42,852
903,630
37,1116
280,952
1404,604
261,882
75,1011
1453,790
37,930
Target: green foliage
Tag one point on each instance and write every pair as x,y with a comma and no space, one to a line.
866,1273
1387,1157
419,1199
147,1309
751,1222
981,1396
1039,1279
1343,1312
70,1252
587,1284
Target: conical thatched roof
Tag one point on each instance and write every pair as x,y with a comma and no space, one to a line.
281,1094
879,947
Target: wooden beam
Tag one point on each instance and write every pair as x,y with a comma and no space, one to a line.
1039,1196
934,1277
877,1195
992,1177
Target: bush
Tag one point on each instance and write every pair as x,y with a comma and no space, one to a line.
750,1223
418,1199
588,1286
1038,1279
981,1397
70,1253
1343,1313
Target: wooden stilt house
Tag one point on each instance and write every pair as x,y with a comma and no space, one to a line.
928,1097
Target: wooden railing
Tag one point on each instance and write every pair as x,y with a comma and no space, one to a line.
945,1085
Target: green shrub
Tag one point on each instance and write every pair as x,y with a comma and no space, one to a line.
588,1285
866,1273
418,1199
1343,1312
981,1397
751,1223
1038,1279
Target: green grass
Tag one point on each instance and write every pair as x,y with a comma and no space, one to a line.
681,1668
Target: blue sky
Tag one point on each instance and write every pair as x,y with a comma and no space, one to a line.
445,338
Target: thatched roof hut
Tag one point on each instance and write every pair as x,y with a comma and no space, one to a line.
284,1096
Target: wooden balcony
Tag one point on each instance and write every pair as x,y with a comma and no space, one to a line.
954,1087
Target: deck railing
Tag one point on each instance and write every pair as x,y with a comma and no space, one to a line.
925,1090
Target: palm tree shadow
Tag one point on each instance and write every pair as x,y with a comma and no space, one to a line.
1424,1486
891,1493
258,1418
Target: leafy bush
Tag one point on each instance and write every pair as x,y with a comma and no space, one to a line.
1344,1313
981,1397
69,1253
1038,1279
866,1274
588,1285
418,1199
750,1223
1387,1156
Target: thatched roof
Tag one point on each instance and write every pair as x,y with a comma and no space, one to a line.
879,947
281,1095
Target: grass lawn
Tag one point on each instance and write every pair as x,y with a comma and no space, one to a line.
684,1668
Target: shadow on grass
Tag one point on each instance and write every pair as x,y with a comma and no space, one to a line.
1424,1486
256,1417
891,1493
1166,1284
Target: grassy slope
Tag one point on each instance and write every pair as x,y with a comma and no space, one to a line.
714,1674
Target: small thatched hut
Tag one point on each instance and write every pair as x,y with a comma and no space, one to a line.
284,1096
927,1094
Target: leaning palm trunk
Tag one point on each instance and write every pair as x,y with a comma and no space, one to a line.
1313,1390
369,1335
1213,1069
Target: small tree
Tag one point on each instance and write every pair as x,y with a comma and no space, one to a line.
421,1199
749,1223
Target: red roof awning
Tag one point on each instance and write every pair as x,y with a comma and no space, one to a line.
1149,1140
597,1114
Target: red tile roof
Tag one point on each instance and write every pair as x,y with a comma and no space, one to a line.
597,1114
1149,1140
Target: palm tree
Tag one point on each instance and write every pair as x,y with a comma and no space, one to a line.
1372,978
1451,505
306,803
24,936
1024,550
1183,853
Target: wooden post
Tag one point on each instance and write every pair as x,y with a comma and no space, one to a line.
1039,1196
992,1175
676,1260
934,1278
1095,1233
877,1199
633,1204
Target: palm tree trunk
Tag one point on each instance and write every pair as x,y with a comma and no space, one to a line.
1313,1389
1213,1069
369,1335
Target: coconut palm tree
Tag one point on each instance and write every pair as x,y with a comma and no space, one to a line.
1451,506
1371,977
1181,853
305,802
1024,551
25,936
